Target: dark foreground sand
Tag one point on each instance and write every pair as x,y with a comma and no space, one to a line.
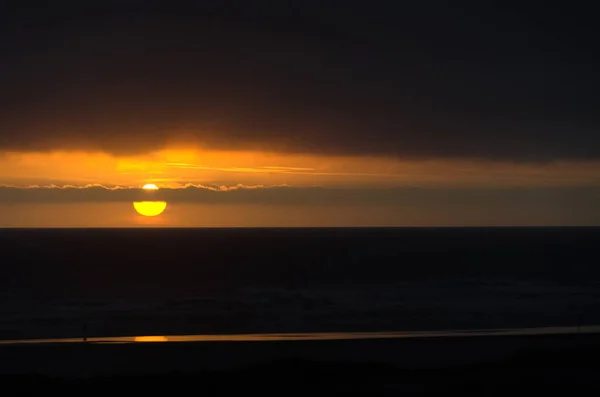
482,365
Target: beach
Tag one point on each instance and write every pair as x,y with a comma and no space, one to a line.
386,365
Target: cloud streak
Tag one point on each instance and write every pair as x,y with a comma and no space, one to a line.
279,170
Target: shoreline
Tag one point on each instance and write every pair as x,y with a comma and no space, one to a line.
311,336
223,353
480,364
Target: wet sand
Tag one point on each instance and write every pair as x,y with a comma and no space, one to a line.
486,364
314,336
125,355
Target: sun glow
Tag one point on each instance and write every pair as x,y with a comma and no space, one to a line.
150,186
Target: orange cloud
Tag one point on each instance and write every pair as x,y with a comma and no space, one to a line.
178,167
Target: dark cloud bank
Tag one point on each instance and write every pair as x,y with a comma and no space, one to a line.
562,198
373,78
397,206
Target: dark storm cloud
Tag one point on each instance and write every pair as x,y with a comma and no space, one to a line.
372,78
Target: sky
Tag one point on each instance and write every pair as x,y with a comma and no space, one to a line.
305,113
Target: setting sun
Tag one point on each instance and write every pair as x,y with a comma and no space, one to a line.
150,208
150,186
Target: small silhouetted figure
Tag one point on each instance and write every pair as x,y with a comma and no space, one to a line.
84,331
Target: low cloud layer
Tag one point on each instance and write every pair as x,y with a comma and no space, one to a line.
563,198
383,79
284,206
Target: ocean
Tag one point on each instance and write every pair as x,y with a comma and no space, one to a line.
120,282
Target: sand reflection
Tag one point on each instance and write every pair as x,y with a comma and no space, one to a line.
588,329
159,338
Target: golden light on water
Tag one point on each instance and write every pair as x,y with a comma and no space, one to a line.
150,208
